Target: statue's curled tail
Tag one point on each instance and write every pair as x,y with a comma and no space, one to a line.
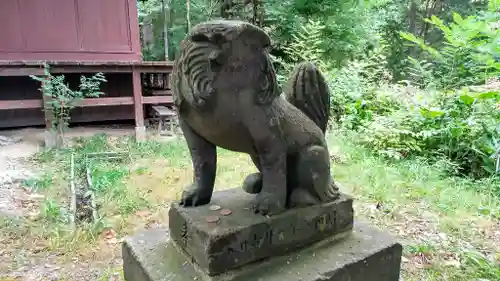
307,90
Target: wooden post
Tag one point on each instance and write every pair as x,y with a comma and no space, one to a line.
140,130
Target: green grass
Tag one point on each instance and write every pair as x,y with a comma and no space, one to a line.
117,199
446,224
440,219
39,183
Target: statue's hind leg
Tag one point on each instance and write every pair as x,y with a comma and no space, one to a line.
253,183
314,183
309,178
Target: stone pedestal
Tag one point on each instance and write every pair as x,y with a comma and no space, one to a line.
244,237
312,243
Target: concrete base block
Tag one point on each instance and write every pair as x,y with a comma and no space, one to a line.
364,255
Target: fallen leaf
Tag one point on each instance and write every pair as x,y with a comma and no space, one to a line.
143,213
110,234
112,241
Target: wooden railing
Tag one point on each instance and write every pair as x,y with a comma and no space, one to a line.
106,101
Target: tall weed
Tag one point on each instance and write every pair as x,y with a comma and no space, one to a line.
470,54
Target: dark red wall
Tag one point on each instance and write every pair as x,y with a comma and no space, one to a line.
102,30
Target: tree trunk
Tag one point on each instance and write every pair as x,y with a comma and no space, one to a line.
412,17
256,8
188,16
226,9
165,12
429,11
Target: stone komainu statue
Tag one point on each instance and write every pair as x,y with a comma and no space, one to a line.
226,93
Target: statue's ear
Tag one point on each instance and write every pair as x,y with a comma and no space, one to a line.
214,38
255,36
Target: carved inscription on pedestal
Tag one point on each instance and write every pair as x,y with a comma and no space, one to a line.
245,237
295,232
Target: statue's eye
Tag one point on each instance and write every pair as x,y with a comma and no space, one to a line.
215,60
215,57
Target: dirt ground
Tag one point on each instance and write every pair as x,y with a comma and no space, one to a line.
16,147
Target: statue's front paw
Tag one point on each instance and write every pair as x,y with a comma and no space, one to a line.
193,197
268,204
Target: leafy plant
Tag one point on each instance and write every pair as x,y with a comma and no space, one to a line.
470,52
306,45
392,136
61,99
458,122
481,266
353,97
468,130
53,211
462,126
37,184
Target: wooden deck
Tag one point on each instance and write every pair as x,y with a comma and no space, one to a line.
132,97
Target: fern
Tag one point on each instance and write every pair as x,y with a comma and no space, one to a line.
420,73
307,45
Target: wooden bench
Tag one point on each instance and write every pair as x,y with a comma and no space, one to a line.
167,117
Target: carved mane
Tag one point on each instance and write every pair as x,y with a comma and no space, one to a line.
192,76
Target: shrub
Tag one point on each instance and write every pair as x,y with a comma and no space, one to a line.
444,118
462,126
61,99
470,54
354,96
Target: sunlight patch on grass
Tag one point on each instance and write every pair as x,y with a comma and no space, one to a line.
232,168
161,181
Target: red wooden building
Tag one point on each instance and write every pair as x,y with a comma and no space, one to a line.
75,37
